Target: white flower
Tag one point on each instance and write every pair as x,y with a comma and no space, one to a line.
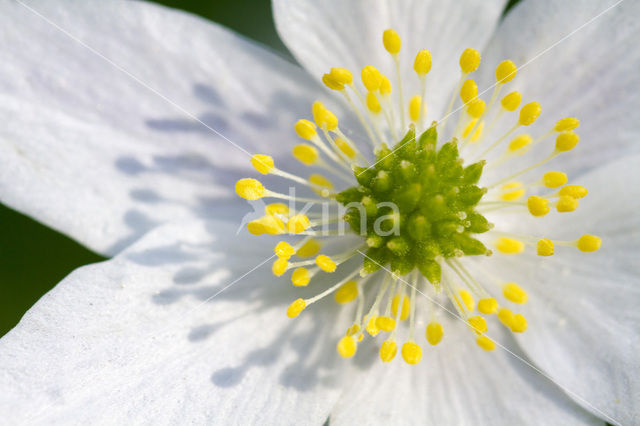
124,126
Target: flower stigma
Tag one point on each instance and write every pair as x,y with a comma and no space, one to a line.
416,205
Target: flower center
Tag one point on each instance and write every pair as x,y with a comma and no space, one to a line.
420,208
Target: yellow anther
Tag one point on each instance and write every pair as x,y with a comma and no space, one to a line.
588,243
306,154
353,330
505,71
538,206
511,101
575,191
325,263
514,293
347,292
469,60
485,343
468,91
478,132
518,323
271,225
298,223
566,204
300,277
284,250
250,189
276,209
414,108
279,267
305,129
488,306
411,353
371,327
509,245
371,78
505,316
545,247
255,227
478,324
554,179
566,124
372,103
512,191
323,117
391,41
341,75
345,148
422,63
388,350
320,180
467,299
262,163
434,333
567,141
331,82
308,249
476,107
406,307
347,347
385,323
295,308
520,142
385,85
529,113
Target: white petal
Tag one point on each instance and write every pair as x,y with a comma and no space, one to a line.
153,336
578,59
348,34
584,325
100,104
455,383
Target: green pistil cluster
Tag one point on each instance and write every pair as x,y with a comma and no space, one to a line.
416,204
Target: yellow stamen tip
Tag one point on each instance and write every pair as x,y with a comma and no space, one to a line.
575,191
296,307
371,78
325,263
324,118
308,249
271,225
538,206
485,343
514,293
388,350
385,323
414,108
468,91
422,63
411,353
434,333
554,179
519,143
300,277
305,129
478,324
345,148
347,293
322,184
371,327
469,60
406,307
588,243
306,154
511,101
566,204
566,124
512,191
284,250
467,299
279,267
250,189
276,209
391,40
509,245
262,163
529,113
545,247
353,330
505,316
342,75
566,141
372,103
488,306
298,223
506,71
347,347
518,323
476,107
331,82
385,86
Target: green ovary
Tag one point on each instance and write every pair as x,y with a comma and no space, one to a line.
415,205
